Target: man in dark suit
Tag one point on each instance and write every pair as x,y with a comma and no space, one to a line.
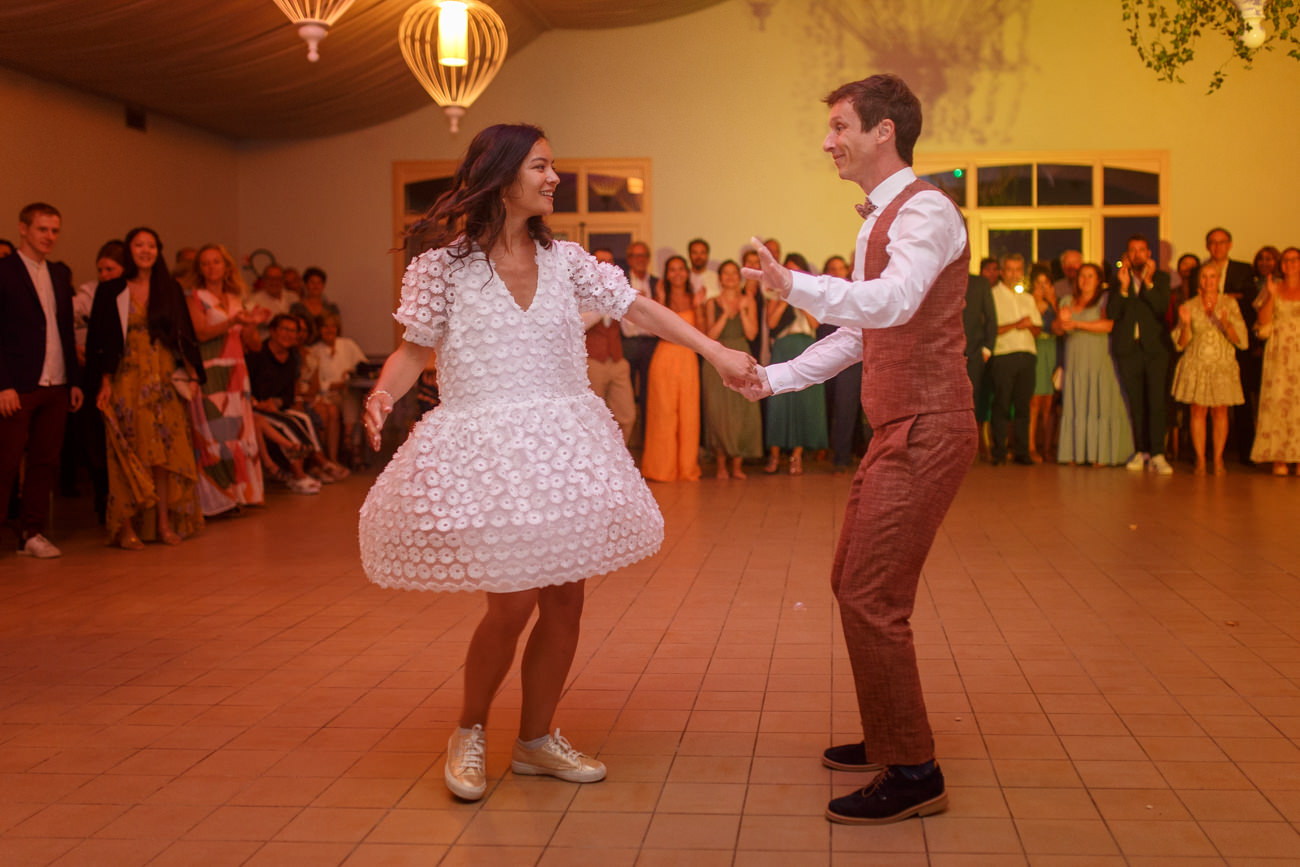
980,321
1238,280
39,375
1140,345
639,345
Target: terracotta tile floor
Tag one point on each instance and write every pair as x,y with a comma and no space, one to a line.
1112,664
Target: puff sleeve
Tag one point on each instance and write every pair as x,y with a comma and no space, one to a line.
423,308
600,287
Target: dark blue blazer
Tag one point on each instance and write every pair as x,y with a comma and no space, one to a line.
22,325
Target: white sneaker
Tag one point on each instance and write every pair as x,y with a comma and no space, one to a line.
464,772
305,485
556,758
39,547
1160,465
1137,463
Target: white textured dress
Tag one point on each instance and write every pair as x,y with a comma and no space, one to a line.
520,479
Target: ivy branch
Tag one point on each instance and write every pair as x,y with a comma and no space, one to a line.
1165,33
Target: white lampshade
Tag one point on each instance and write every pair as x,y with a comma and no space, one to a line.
435,36
314,19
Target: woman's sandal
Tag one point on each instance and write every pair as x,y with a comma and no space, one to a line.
129,542
796,465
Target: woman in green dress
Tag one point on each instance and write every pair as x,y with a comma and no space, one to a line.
732,424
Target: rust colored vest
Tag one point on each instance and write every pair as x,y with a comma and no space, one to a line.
920,366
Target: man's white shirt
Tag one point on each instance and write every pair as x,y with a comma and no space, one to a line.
927,235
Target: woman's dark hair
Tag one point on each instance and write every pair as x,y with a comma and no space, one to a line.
473,207
663,282
827,264
731,262
1101,283
800,263
114,250
313,271
1277,260
166,301
1195,258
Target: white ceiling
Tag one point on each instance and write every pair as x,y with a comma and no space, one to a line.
238,68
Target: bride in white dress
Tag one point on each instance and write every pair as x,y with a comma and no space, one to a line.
519,483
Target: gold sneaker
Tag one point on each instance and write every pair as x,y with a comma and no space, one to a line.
556,758
464,772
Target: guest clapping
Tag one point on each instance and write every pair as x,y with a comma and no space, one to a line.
221,413
672,428
1095,426
1210,325
732,427
1277,433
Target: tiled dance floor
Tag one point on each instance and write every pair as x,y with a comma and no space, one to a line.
1111,661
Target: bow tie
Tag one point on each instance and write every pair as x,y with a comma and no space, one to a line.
864,210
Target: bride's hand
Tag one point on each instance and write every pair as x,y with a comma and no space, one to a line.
379,405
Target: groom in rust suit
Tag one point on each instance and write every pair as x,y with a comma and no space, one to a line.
901,316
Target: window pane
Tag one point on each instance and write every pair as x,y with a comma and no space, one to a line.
1064,185
566,194
1117,231
1004,241
1053,242
611,192
1129,187
953,183
421,195
1004,186
615,242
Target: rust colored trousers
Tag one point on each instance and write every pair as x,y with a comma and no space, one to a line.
901,492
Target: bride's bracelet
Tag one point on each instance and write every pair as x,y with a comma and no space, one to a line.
378,391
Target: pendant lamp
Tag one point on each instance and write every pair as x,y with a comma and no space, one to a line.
454,49
314,19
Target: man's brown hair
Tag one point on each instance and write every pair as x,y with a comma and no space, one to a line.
29,213
884,96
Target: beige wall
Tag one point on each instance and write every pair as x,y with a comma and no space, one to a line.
76,152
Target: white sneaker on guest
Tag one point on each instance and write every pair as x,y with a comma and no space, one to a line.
305,485
39,547
1161,466
1137,463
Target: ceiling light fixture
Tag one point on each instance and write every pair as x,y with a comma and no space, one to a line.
454,49
314,19
1252,14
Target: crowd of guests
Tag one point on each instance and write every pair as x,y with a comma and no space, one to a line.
1120,368
677,409
196,390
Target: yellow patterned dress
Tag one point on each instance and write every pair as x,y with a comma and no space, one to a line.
148,426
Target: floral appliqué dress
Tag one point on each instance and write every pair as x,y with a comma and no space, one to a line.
520,478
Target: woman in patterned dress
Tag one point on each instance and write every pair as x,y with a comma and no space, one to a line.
221,412
1210,330
1277,432
518,484
140,334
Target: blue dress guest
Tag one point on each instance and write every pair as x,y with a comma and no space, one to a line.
1095,426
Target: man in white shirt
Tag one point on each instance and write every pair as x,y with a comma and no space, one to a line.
1015,354
901,316
704,282
272,296
39,374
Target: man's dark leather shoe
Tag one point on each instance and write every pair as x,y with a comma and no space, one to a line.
890,797
850,757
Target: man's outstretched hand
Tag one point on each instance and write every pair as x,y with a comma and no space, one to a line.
772,275
754,387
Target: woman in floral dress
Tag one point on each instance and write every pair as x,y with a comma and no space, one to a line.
1210,330
1277,431
518,484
